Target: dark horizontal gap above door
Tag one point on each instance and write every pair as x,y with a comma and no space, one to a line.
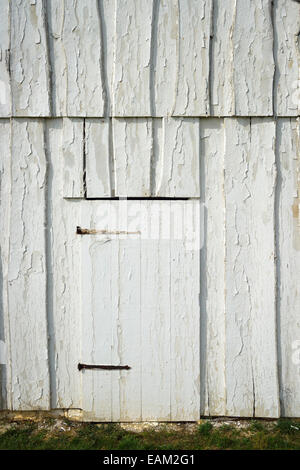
140,198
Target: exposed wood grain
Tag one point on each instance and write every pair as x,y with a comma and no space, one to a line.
29,61
27,268
288,155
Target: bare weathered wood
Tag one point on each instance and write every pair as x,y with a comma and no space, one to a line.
288,268
27,268
287,57
29,59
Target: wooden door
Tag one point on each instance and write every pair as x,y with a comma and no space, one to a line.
140,308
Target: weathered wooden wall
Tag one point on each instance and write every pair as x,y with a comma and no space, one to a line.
149,58
103,99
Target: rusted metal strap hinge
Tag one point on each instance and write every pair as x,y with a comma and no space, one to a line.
94,366
90,231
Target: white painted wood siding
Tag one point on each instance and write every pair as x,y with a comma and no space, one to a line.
128,316
152,99
288,239
27,271
100,58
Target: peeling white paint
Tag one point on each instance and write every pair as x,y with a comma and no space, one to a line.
169,99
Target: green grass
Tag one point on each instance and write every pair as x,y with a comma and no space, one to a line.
283,434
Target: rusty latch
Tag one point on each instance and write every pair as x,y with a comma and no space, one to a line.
91,231
94,366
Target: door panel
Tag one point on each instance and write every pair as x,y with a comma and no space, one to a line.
140,307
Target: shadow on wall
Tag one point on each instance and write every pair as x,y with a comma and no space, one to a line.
3,401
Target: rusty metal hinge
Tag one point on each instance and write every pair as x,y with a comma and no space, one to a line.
105,367
90,231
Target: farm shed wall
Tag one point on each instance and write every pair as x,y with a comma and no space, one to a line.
191,110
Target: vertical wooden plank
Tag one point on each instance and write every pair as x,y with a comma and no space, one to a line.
288,155
5,91
185,311
165,34
132,58
29,61
97,151
251,357
239,372
97,315
116,358
263,337
76,49
81,32
59,74
287,57
213,269
180,41
73,145
5,196
222,64
192,80
111,314
129,314
64,259
155,313
179,174
27,269
132,143
253,58
242,58
108,29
